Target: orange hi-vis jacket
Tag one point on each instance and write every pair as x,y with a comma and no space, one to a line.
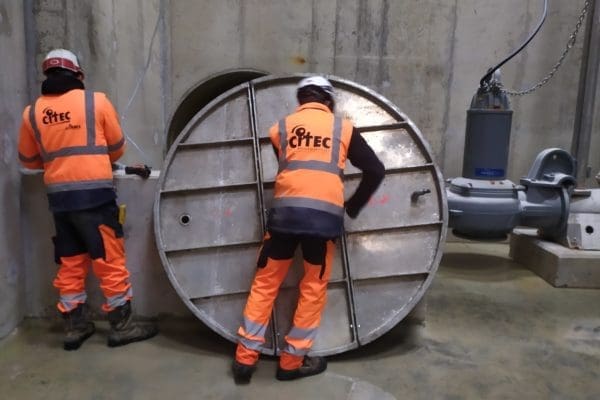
312,146
74,137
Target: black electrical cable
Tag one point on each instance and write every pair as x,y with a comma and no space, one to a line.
491,71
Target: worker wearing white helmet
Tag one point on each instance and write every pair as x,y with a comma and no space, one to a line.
62,59
317,81
312,145
74,135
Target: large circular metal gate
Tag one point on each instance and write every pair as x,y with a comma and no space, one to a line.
217,183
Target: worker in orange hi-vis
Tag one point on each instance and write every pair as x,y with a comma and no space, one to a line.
312,146
74,135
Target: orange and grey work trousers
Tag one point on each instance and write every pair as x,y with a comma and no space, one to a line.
93,236
274,260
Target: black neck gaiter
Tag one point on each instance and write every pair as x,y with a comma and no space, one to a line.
59,84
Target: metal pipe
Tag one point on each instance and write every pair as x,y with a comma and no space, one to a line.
584,112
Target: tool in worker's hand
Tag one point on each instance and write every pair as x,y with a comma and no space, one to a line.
141,170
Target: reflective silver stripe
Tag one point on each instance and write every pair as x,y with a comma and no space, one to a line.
70,301
83,185
36,131
251,344
254,329
119,299
90,118
291,349
302,333
308,203
337,139
116,146
29,159
77,151
314,165
90,121
282,145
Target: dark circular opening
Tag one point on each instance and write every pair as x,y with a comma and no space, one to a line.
589,230
202,94
185,219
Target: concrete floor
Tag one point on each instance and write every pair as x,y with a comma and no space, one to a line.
493,330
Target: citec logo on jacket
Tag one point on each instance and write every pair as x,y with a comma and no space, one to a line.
52,117
304,139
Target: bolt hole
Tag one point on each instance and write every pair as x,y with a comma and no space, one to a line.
185,219
589,230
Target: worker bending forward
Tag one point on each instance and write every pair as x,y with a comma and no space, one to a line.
312,146
74,135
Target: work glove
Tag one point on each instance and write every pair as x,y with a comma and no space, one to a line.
352,212
141,170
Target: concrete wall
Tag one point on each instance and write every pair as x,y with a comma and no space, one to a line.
13,86
121,47
542,119
426,56
152,291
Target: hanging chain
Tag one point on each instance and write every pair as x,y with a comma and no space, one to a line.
556,66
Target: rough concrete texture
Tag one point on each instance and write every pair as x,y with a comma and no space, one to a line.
493,330
557,264
13,85
152,291
120,49
425,56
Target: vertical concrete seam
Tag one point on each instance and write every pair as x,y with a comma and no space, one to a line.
165,64
241,33
522,57
66,26
362,22
520,68
335,36
113,48
450,63
92,30
382,70
314,35
31,43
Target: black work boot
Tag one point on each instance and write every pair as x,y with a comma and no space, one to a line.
242,372
77,327
310,366
124,331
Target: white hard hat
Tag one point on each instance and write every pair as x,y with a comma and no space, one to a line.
318,81
61,58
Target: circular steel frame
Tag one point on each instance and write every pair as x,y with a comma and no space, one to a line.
219,173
